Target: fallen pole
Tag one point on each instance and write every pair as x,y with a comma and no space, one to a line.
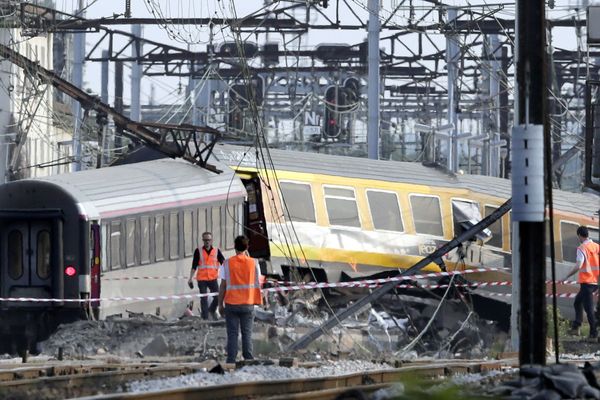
381,291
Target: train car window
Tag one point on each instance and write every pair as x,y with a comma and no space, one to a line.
173,236
569,240
159,237
144,239
240,218
188,240
15,254
43,254
510,230
130,243
201,223
230,219
385,211
115,244
341,207
547,237
299,201
216,226
427,215
104,264
495,228
593,234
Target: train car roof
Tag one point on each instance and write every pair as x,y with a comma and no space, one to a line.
394,171
149,185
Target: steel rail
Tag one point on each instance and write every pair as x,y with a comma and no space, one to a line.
315,388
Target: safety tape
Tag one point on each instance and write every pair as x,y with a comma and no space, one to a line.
133,278
559,295
421,276
369,283
290,283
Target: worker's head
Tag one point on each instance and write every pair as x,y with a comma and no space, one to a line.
582,233
207,239
241,243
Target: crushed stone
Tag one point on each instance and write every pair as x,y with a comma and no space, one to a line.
256,373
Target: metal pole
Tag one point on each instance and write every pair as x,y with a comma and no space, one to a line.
486,115
78,60
104,77
452,54
135,111
373,90
104,97
503,98
118,102
528,178
494,149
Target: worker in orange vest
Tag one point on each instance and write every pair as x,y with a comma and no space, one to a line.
205,265
588,266
238,294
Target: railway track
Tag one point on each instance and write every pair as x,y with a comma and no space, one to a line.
75,380
99,381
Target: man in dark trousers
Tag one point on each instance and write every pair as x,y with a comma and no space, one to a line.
587,264
238,294
205,265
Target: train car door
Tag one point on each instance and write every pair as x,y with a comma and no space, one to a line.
26,255
95,268
254,215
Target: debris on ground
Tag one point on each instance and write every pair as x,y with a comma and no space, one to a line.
401,328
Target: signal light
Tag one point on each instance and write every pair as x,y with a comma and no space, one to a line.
70,270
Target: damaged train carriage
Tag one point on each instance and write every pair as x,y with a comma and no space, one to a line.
354,217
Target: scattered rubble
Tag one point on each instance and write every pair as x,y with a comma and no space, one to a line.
396,328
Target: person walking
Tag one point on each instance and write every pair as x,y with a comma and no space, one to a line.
588,266
239,292
205,265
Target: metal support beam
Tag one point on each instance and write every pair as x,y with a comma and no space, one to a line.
452,59
78,60
373,89
135,113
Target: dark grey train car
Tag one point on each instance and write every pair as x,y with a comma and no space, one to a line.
84,235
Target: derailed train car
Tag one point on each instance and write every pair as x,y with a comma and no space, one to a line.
85,235
354,217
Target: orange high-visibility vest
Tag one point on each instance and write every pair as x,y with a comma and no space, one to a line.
242,278
208,265
590,269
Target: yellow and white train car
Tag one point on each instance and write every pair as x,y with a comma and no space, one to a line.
347,217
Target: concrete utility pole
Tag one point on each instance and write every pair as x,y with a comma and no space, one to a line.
78,60
452,56
528,179
373,90
135,111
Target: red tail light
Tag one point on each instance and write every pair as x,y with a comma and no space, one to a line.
70,270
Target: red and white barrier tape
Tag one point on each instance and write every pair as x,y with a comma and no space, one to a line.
370,283
133,278
558,296
367,282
